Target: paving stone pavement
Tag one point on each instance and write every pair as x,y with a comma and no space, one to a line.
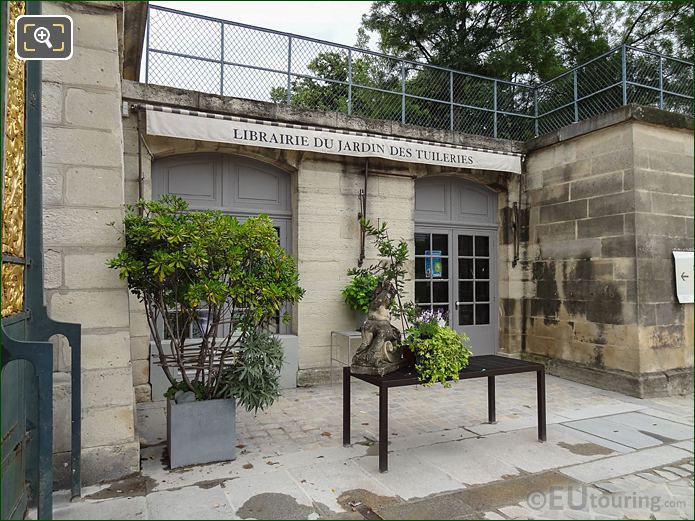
607,456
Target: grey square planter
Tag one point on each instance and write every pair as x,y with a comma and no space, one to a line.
201,432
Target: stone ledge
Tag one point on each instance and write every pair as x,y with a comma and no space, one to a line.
614,117
156,94
319,376
99,464
675,382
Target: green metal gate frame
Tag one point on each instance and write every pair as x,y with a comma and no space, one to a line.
25,335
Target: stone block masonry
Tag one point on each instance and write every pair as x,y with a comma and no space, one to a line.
606,208
83,195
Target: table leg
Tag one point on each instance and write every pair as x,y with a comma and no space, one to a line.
383,428
491,415
346,406
332,335
540,390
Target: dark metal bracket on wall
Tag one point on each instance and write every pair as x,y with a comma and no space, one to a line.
362,214
138,110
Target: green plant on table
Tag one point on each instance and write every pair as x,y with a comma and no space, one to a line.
440,352
359,292
390,268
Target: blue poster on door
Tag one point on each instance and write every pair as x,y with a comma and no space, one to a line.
433,264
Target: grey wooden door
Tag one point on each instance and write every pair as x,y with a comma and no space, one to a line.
456,256
475,309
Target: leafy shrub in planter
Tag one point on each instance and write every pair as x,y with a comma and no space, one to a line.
440,352
360,291
253,381
178,262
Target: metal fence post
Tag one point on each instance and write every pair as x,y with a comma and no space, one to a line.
147,45
349,107
576,102
451,100
661,82
289,69
535,111
222,60
494,106
402,92
623,59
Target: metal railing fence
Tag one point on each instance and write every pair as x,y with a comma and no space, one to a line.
233,59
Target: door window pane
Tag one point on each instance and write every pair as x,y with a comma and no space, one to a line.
444,310
422,243
482,268
440,292
440,242
465,314
419,268
482,291
445,268
466,245
482,313
466,291
482,246
465,268
422,292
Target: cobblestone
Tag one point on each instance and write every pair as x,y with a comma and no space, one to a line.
291,458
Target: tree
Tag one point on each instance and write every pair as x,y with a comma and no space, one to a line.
223,278
523,43
526,40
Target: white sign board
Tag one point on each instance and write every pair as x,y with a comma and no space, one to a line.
185,124
684,276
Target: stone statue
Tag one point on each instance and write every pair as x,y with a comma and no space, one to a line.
380,352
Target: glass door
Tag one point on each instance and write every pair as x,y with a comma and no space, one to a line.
455,274
432,270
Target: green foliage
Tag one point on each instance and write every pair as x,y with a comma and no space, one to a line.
177,262
440,352
198,390
391,266
253,381
359,292
526,40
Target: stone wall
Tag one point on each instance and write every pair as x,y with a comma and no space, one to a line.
133,191
83,194
663,179
606,207
328,245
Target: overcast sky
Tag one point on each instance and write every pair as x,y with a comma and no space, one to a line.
333,21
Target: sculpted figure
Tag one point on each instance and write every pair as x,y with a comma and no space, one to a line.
380,352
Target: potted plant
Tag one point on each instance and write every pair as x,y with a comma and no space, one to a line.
439,351
210,286
359,292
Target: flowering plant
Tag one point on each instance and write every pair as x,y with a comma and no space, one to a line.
425,324
440,351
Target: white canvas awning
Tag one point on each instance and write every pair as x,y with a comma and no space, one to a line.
203,126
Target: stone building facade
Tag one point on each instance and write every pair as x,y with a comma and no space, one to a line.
577,256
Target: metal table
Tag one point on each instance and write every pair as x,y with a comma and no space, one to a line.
487,366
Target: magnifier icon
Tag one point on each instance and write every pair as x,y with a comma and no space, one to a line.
43,35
